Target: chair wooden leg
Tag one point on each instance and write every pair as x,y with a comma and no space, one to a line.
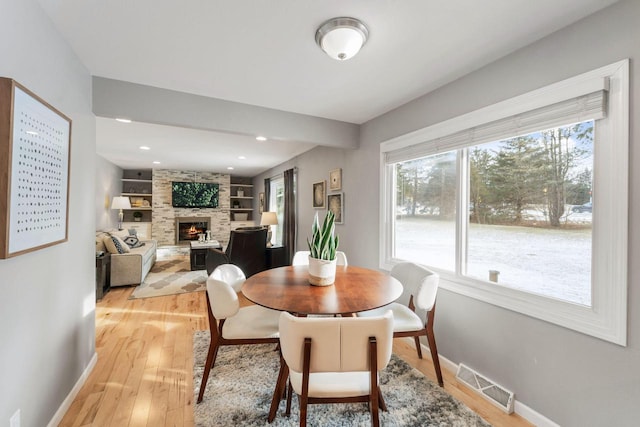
289,393
303,410
306,367
211,360
373,407
283,374
374,391
434,355
381,401
418,346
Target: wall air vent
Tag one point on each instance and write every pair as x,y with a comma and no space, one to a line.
494,393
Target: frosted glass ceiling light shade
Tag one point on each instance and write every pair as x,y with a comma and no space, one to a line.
342,38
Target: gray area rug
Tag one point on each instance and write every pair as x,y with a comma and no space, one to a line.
241,384
169,277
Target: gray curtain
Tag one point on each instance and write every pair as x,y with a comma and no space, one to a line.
289,226
267,191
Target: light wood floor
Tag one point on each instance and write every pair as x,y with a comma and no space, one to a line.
143,376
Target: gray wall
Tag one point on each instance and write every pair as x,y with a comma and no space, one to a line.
359,195
108,184
114,98
47,327
571,378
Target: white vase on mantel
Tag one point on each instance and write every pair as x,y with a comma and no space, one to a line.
322,272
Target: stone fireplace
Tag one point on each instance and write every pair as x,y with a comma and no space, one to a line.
188,228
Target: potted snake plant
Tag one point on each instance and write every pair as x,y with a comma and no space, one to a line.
322,248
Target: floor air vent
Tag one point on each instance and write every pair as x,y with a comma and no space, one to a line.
491,391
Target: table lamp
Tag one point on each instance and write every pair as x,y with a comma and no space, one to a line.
120,202
269,219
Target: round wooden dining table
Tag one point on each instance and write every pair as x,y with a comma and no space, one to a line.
355,289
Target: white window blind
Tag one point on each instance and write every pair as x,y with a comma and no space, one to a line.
591,106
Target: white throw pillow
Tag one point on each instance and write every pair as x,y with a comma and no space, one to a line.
115,245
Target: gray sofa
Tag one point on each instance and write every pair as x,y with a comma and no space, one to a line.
129,268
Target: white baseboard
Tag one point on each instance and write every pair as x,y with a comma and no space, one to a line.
66,404
535,418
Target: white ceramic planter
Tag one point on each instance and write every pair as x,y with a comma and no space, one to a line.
322,272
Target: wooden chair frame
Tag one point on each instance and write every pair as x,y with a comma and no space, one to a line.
218,341
375,399
427,331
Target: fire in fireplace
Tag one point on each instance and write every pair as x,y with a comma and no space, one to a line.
188,228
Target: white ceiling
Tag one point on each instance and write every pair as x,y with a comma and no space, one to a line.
189,149
264,53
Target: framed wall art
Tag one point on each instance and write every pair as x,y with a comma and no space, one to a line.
336,205
319,192
335,180
35,146
261,202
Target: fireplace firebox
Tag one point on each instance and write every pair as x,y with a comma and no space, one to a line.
188,228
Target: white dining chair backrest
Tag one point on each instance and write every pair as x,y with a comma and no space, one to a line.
339,344
341,258
231,274
302,258
224,300
418,281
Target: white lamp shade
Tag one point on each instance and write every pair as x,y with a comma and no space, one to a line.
342,38
120,202
269,218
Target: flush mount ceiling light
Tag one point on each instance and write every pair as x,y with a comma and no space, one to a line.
342,38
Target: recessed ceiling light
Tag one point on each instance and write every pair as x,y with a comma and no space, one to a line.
241,157
144,147
156,162
261,138
230,168
121,120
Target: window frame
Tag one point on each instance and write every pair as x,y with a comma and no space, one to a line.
606,318
273,206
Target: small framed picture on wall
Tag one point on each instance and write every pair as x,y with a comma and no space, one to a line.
336,205
319,191
335,180
261,202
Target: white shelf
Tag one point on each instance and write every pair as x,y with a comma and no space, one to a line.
135,180
242,209
242,185
138,194
243,197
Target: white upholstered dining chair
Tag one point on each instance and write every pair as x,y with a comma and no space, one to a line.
231,274
302,258
420,288
231,325
333,360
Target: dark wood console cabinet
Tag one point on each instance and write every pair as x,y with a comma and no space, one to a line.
103,275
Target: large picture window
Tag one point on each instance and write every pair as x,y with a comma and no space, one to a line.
529,204
517,204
